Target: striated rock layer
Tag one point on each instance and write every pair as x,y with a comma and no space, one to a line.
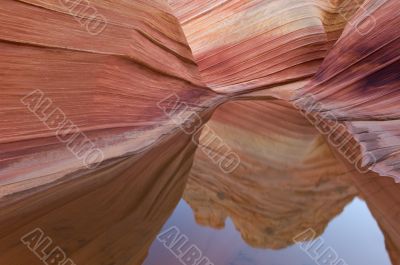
107,72
107,84
272,48
358,82
248,45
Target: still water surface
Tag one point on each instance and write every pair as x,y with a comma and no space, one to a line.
288,181
354,235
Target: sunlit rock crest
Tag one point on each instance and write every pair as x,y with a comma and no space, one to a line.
252,45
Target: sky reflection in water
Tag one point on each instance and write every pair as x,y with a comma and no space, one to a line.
354,234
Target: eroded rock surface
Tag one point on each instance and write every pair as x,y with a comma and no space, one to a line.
255,48
358,85
251,45
108,84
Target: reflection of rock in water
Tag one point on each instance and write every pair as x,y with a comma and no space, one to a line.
288,179
383,198
392,248
110,216
109,86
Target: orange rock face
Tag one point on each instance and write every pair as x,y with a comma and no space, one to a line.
134,81
358,84
274,48
251,45
139,53
107,85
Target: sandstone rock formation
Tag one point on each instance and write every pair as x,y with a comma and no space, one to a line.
110,216
255,48
287,181
108,84
358,84
248,45
273,48
106,65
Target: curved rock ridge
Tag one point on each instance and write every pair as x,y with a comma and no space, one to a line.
358,84
108,72
279,47
288,179
247,45
105,83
